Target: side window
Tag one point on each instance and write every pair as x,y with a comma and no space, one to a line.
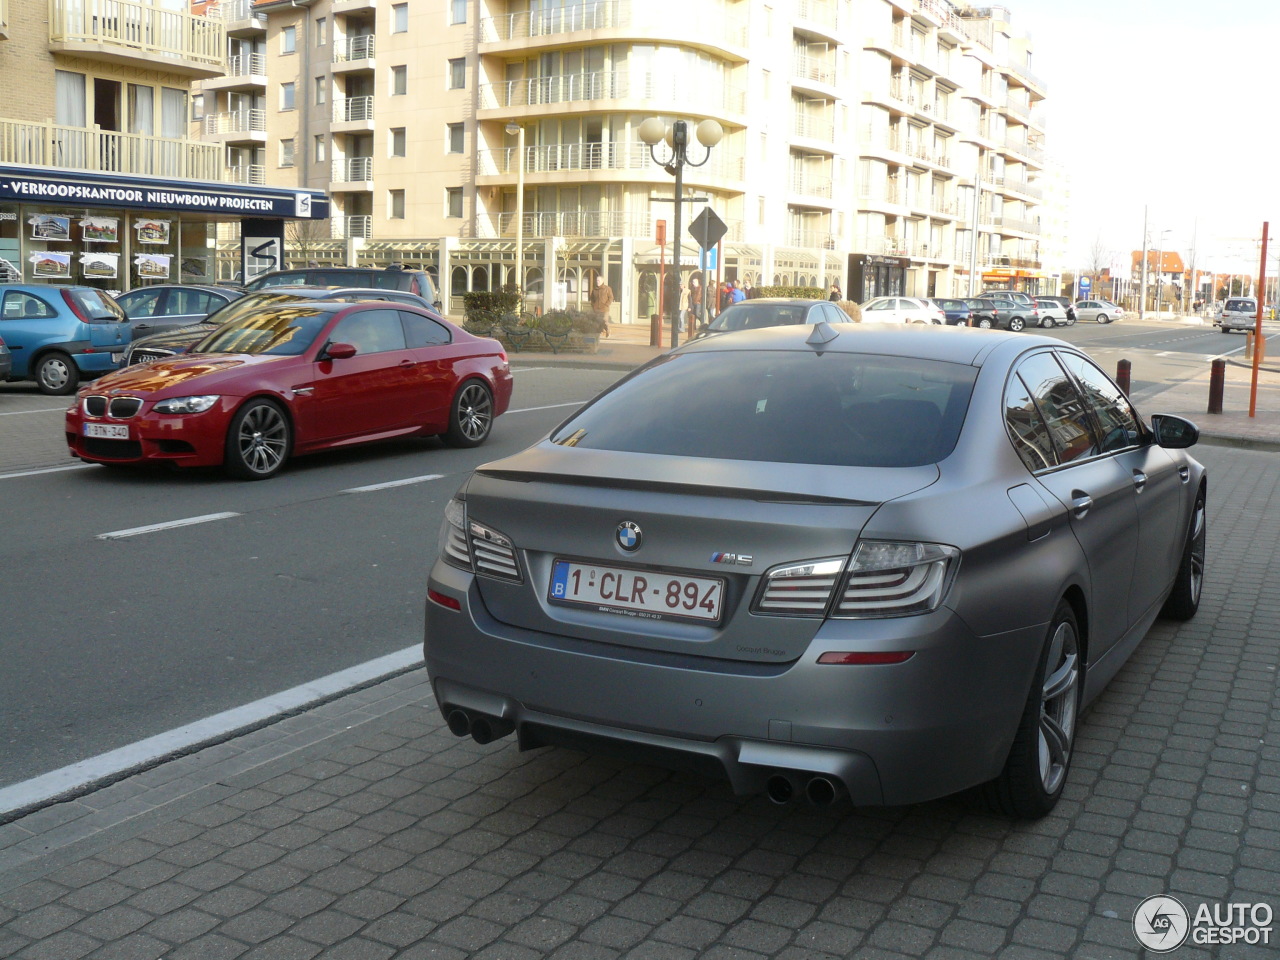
391,280
834,314
1027,429
371,331
286,280
144,304
1120,425
422,331
19,305
192,301
1064,413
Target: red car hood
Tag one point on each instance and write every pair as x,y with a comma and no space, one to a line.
199,373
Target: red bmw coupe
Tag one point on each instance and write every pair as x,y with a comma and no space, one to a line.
292,379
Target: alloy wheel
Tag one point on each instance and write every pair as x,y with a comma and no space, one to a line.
475,412
1058,701
263,439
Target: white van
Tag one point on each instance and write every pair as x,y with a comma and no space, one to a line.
1238,313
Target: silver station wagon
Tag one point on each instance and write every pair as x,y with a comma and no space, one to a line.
883,564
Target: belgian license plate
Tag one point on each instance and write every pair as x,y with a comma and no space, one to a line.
648,594
107,431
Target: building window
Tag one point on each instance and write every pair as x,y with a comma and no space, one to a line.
395,204
289,40
197,106
321,87
322,31
453,202
286,96
397,141
400,18
320,148
455,137
458,73
458,11
286,153
399,81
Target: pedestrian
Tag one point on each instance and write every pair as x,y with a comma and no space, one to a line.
695,302
835,296
312,264
749,290
601,302
726,295
738,296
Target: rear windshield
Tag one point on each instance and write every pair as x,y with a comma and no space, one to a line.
1251,305
98,306
747,316
838,409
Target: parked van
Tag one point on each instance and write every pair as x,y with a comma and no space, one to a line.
1238,313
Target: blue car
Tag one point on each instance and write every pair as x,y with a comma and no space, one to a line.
58,335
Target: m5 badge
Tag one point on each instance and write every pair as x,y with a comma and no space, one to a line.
740,559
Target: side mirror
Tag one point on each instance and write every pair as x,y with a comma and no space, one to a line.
339,351
1172,432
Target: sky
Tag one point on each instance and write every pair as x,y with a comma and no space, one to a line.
1172,107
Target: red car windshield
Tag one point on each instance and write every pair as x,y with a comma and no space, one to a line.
284,331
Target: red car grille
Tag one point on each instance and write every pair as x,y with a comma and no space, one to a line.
112,449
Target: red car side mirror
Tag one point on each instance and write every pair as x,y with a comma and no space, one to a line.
339,351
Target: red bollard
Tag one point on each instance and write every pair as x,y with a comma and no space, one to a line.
1122,376
1217,380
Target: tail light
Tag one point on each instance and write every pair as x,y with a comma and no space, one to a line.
799,589
475,547
75,306
891,579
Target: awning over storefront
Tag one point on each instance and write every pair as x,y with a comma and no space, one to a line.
222,200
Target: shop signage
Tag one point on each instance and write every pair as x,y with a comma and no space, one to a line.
68,188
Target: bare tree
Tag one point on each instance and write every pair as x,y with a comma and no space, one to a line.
302,237
1099,260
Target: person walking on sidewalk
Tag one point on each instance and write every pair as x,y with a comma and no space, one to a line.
601,301
835,296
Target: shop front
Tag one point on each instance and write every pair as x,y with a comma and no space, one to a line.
119,232
875,276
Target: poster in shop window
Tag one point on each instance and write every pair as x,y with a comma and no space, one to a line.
152,231
100,266
45,226
51,264
100,230
152,266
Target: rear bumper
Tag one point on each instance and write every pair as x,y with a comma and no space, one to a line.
903,733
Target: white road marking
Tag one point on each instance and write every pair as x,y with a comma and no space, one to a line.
34,473
167,525
116,763
550,406
14,413
527,369
394,483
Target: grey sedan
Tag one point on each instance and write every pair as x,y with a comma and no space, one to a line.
1103,311
828,561
167,306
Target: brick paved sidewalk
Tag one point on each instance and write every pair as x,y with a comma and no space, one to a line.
363,829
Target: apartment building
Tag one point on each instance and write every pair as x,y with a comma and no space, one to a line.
888,145
100,179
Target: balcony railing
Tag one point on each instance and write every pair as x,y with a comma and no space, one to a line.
700,20
80,148
813,68
1020,186
611,85
353,169
359,226
238,121
349,109
613,155
230,11
150,32
253,65
1017,223
818,11
810,185
353,48
1026,149
813,128
817,239
247,173
890,246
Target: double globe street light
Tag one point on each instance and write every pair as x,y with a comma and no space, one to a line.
653,131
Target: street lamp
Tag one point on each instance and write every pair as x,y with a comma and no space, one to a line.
652,131
1160,266
517,131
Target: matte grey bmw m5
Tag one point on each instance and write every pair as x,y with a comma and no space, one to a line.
886,564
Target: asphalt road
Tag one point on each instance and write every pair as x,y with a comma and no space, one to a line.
110,637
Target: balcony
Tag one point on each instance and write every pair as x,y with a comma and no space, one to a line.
138,35
613,155
353,115
353,173
239,18
811,239
243,73
820,129
355,6
807,71
821,14
254,173
79,148
613,85
1016,225
353,53
1024,149
353,227
703,24
1018,186
811,184
237,126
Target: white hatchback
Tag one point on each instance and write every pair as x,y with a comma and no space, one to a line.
901,310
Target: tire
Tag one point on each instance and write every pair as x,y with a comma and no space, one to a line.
1048,323
1016,324
984,323
1040,758
258,441
471,416
1103,318
1188,583
57,374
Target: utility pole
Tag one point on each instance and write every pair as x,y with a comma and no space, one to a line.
1142,293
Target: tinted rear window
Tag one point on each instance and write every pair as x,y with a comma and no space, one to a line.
838,409
1238,305
98,306
752,315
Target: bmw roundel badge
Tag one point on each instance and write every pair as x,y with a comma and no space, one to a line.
628,535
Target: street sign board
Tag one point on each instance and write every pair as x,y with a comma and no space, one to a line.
707,258
1086,285
707,228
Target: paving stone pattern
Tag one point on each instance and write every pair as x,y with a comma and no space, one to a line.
377,834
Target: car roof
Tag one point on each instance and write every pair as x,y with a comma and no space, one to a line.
787,300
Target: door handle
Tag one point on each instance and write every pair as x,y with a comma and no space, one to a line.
1080,504
1184,472
408,363
1139,480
